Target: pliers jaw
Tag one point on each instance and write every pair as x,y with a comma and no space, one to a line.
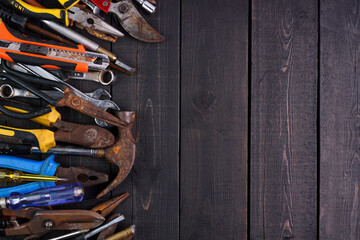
93,24
85,176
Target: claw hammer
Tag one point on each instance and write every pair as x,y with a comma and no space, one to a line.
121,154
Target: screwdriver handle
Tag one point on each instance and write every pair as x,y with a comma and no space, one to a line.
45,197
10,175
43,138
14,149
46,167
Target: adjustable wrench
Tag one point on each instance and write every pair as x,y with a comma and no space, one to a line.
103,104
8,91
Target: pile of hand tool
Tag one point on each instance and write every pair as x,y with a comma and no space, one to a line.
40,55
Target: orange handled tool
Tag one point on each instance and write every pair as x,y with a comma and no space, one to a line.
17,47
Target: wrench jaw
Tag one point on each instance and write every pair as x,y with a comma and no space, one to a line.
122,153
105,77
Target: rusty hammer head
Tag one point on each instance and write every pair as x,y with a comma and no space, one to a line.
122,153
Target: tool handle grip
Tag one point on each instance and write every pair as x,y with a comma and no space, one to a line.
104,5
67,4
46,119
40,13
25,188
46,167
37,60
14,149
48,196
42,138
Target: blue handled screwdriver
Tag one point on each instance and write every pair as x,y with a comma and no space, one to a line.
68,193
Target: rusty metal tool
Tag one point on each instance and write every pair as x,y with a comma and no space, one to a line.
129,18
8,91
103,104
41,221
89,44
94,25
48,167
72,97
121,154
104,209
84,135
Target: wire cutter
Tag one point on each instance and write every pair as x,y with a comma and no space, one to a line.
94,25
129,18
72,98
48,167
41,221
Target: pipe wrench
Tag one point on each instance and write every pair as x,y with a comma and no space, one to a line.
16,47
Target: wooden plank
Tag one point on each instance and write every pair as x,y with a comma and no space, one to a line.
339,120
156,171
283,185
214,119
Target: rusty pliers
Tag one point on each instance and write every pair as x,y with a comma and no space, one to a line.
41,221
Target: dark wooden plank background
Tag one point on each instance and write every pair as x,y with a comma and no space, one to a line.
247,121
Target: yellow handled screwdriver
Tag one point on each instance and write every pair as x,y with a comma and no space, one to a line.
7,175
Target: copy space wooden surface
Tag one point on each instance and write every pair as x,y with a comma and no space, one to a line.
339,120
247,122
283,192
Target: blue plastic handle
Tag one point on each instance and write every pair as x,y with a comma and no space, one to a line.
47,167
56,195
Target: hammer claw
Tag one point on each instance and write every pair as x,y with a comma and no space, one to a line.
122,153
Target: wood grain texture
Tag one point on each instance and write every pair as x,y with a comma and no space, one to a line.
339,120
156,170
283,182
214,119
